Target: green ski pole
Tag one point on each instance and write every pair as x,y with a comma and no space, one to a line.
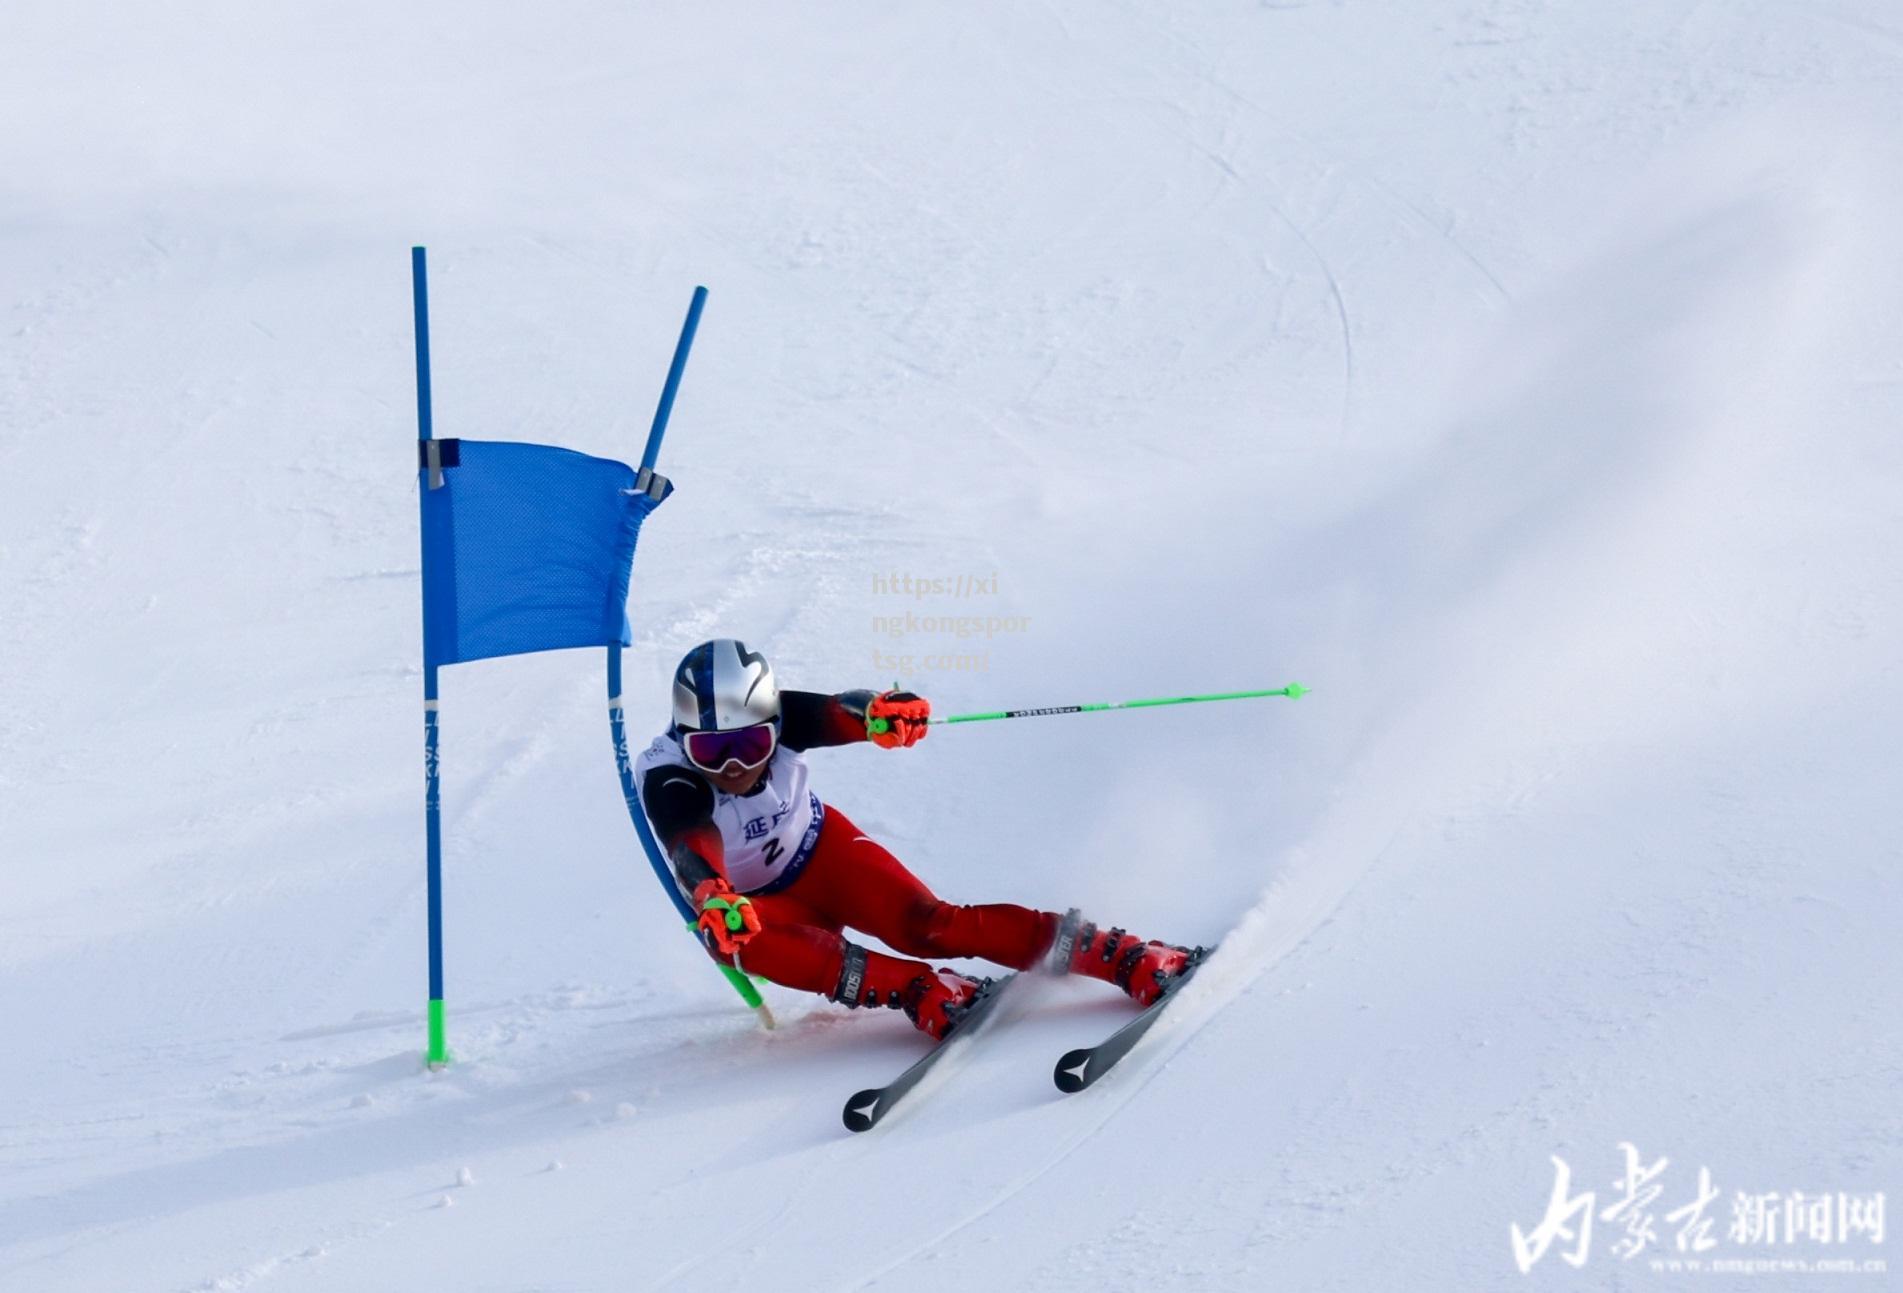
1294,691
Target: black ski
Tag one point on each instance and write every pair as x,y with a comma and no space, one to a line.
864,1110
1079,1068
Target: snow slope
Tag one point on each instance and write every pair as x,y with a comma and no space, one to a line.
1521,377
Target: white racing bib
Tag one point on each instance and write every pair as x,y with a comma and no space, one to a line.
767,834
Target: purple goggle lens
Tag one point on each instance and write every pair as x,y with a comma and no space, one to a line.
713,751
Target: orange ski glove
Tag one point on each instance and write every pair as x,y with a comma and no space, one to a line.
896,718
727,919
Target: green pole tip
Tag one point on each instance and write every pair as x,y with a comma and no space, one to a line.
1296,691
438,1053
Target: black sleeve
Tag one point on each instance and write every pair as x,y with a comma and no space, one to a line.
680,803
810,719
676,798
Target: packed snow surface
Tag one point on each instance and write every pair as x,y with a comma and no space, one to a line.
1523,378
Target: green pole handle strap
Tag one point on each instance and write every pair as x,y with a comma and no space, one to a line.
1294,691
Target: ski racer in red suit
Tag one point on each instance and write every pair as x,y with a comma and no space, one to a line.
777,875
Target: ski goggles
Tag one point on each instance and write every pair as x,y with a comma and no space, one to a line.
748,746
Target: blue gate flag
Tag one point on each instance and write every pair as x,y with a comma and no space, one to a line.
526,547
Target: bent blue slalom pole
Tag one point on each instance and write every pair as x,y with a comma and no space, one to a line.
617,723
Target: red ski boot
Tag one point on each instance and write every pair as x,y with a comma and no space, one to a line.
1139,968
935,1001
932,999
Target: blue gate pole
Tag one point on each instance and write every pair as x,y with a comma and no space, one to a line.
438,1053
674,370
617,725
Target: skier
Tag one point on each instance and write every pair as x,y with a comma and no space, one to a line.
776,875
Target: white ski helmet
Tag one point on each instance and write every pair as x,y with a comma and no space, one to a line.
720,686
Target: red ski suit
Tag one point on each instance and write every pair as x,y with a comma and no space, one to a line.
845,880
852,882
